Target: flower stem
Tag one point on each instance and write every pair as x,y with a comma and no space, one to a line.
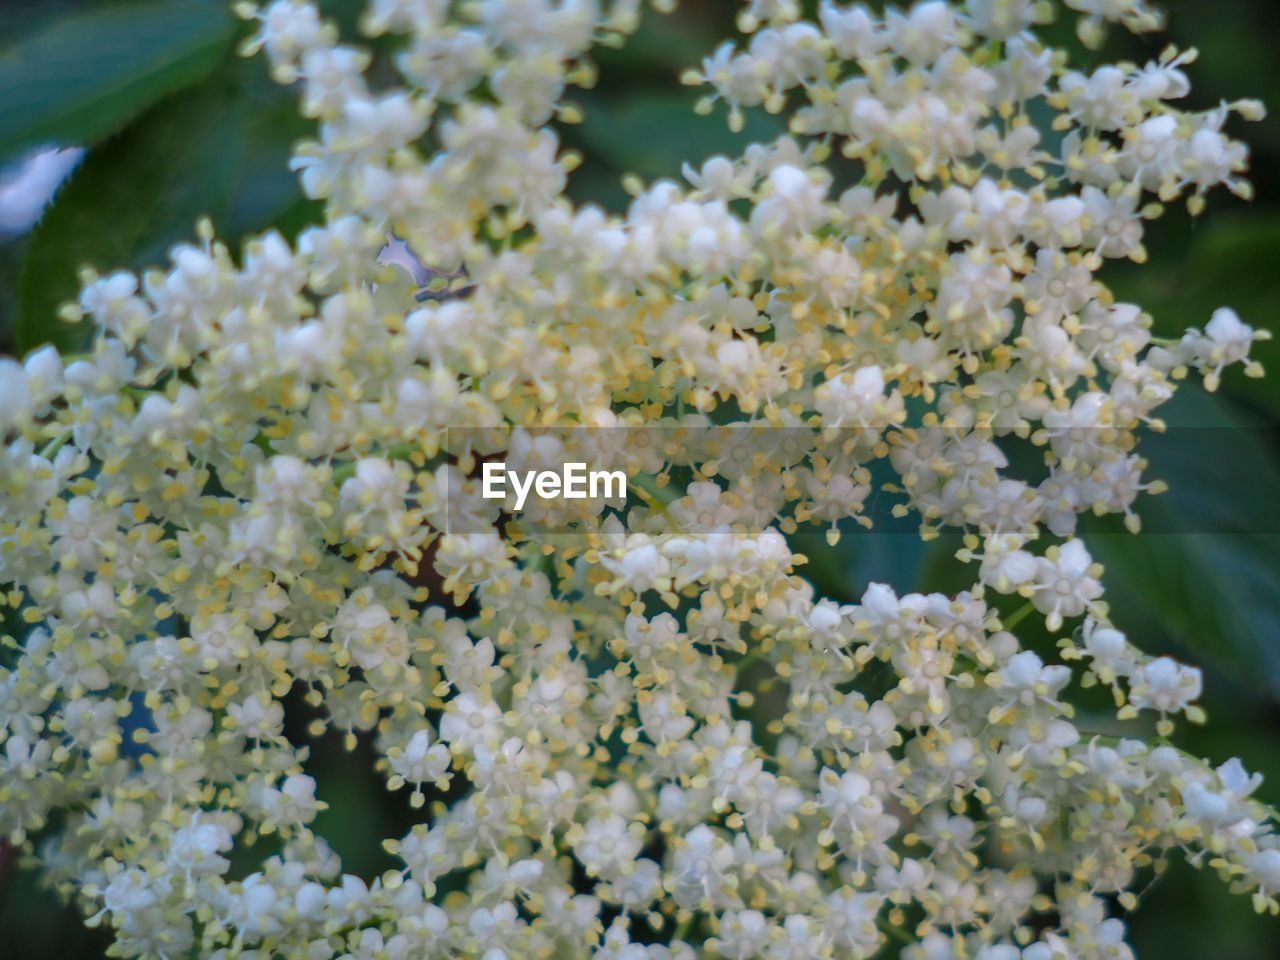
1018,615
54,445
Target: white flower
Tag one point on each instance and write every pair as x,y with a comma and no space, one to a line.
261,477
1066,583
1163,684
469,722
606,846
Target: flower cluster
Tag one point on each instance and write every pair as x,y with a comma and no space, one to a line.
630,730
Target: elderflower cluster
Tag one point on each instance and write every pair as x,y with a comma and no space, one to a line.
626,729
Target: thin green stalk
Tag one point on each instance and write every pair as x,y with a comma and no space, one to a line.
683,929
895,931
54,445
1018,615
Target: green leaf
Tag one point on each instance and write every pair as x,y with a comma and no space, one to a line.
652,135
1227,260
86,75
862,557
100,217
266,191
219,150
1205,572
667,43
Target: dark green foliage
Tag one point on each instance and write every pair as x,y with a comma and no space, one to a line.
84,76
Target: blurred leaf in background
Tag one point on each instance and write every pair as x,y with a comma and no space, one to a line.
1206,571
220,149
179,127
84,76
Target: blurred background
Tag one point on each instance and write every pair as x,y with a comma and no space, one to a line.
175,126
